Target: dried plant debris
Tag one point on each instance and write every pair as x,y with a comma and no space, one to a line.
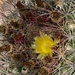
56,16
3,29
38,37
16,24
6,47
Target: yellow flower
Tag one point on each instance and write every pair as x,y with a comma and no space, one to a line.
43,46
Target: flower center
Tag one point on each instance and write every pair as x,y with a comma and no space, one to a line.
46,47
